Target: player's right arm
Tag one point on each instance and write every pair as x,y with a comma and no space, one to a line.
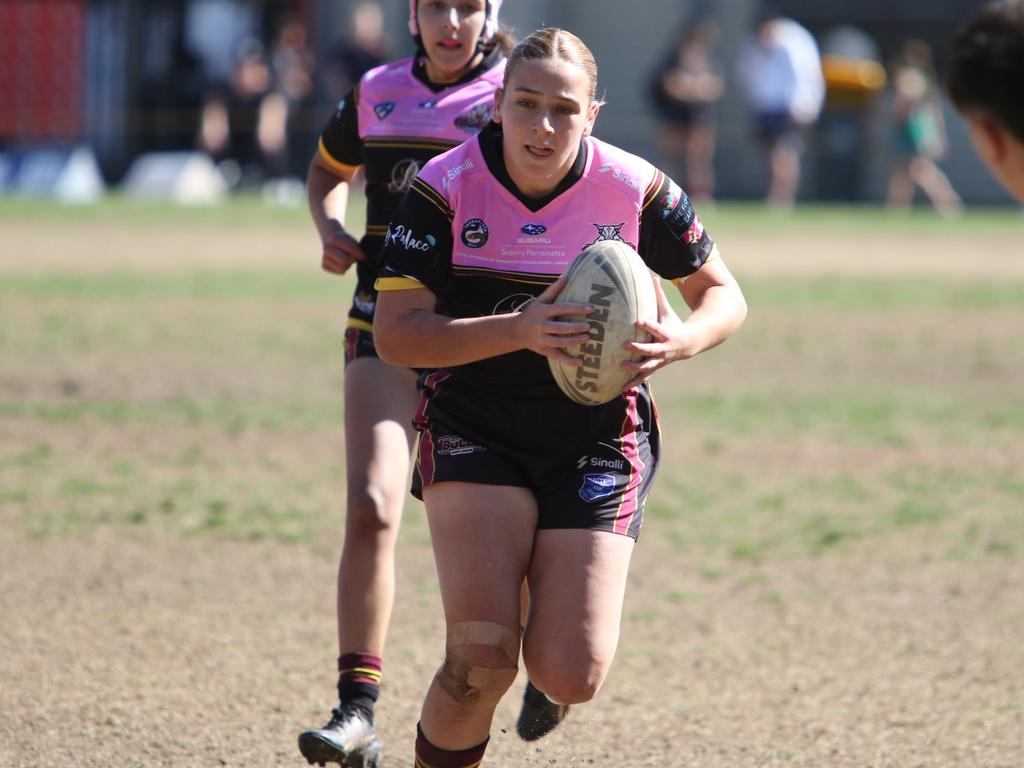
339,155
407,331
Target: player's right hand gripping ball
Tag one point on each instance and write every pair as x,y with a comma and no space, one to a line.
611,277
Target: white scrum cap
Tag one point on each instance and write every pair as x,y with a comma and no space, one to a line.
490,25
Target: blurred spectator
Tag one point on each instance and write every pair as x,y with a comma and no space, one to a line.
918,133
854,79
780,69
985,78
684,91
244,127
366,47
293,66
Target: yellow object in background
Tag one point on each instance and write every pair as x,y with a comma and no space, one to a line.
851,82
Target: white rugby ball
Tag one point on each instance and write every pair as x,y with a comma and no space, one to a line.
611,277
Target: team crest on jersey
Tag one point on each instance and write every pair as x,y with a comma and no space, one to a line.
402,175
597,487
533,229
511,304
383,109
610,232
475,233
477,118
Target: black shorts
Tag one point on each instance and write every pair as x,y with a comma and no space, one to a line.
773,127
588,467
359,330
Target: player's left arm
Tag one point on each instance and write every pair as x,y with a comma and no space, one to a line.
674,243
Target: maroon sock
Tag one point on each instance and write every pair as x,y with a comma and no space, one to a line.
429,756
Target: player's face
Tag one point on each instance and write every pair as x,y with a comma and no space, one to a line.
450,30
544,111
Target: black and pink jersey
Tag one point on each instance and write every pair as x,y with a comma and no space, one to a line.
467,234
395,120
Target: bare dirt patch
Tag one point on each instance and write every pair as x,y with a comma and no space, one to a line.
148,619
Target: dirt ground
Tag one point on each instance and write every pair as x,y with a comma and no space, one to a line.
137,646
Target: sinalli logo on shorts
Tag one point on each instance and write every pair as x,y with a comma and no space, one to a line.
474,233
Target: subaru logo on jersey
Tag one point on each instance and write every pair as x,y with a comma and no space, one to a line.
474,233
383,109
428,104
478,117
597,487
533,229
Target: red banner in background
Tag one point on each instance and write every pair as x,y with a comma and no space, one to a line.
41,66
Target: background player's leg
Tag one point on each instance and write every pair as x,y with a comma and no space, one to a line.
482,537
379,404
380,401
577,584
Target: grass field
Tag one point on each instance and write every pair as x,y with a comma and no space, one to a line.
830,574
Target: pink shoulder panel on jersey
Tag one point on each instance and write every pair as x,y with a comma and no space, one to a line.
493,230
393,102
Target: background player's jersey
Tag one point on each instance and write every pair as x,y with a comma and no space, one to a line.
395,120
466,233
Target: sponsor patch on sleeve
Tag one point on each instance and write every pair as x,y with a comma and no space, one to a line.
677,211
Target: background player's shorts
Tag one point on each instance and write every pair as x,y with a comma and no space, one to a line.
588,467
359,332
358,343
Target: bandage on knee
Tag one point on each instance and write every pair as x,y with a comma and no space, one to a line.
470,683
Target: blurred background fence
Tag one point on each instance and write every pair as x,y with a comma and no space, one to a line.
128,77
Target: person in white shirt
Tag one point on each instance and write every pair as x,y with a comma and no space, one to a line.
780,70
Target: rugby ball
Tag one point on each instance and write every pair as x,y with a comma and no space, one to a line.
611,277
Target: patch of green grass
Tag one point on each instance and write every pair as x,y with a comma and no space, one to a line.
234,415
236,212
871,295
199,285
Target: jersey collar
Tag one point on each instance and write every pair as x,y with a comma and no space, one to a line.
491,139
490,60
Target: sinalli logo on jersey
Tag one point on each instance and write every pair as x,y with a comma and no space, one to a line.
383,109
618,175
475,233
